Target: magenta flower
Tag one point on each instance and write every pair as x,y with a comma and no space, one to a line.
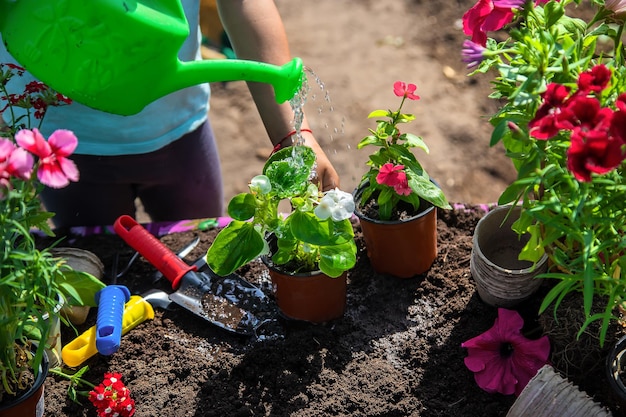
502,359
488,15
402,89
55,169
394,176
472,53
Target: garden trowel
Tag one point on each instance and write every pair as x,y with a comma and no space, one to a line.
229,302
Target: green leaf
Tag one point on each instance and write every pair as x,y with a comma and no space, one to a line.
80,287
235,245
413,141
242,206
428,191
334,260
309,228
380,113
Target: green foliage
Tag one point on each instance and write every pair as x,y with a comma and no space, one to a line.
580,225
394,147
304,241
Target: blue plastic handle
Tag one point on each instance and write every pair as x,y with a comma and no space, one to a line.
111,300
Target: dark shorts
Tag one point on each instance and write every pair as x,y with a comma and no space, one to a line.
180,181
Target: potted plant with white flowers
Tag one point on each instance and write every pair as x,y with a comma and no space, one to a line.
308,251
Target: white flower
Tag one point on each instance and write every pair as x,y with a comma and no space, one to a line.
336,204
261,183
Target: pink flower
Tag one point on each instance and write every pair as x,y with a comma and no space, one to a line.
616,6
488,15
402,89
55,169
394,176
14,161
502,359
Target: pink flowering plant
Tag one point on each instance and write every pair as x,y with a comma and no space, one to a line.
395,174
32,282
561,82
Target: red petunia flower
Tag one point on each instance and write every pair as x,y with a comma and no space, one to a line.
544,124
594,80
593,151
502,359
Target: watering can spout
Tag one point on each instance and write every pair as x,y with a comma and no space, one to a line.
286,79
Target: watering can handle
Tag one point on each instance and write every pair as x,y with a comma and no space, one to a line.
166,261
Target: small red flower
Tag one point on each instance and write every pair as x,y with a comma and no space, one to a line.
112,397
402,89
593,151
594,80
544,124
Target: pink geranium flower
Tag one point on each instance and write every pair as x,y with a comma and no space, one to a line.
503,359
55,169
402,89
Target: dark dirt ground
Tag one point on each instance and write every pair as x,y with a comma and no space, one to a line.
396,352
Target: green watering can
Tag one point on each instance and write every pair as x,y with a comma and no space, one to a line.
120,55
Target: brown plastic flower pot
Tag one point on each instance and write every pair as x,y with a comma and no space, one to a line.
402,248
502,279
314,297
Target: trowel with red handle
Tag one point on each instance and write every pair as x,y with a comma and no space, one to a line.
229,302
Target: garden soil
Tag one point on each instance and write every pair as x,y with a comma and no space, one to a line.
397,350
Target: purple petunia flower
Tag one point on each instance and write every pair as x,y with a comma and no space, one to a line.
472,53
502,359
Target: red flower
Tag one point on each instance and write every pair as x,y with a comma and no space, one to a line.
112,397
593,151
596,79
402,89
488,15
544,124
502,359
